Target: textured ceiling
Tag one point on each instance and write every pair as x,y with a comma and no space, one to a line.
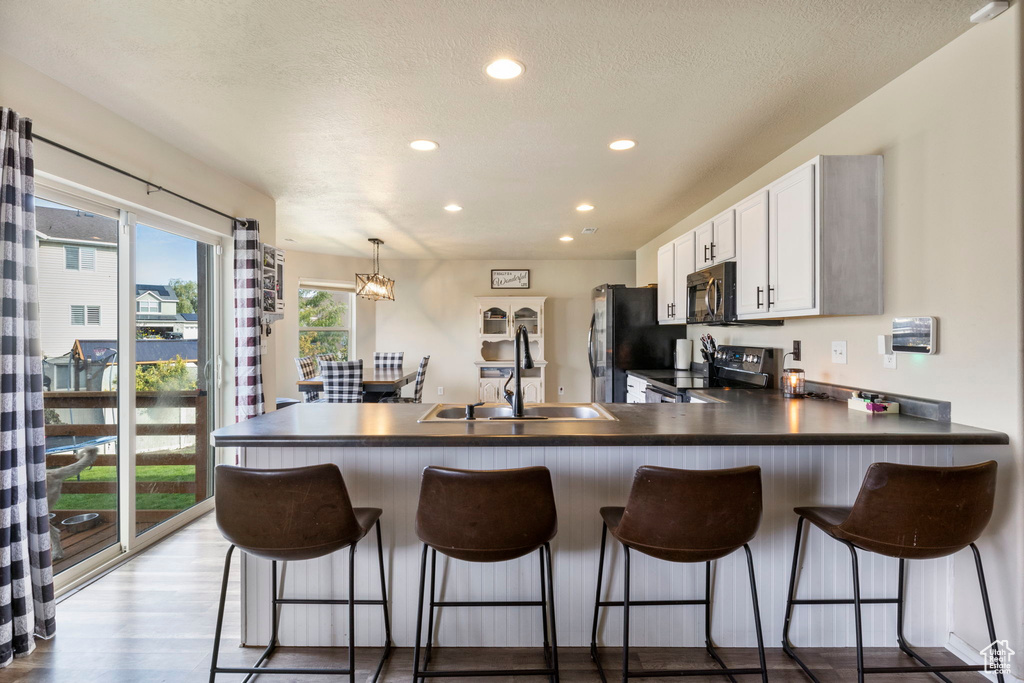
314,103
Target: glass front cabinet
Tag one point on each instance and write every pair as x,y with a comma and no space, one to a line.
499,318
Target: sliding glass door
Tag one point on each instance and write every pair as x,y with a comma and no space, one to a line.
129,320
174,373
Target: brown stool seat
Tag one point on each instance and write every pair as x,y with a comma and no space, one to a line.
688,515
913,512
486,516
289,514
826,518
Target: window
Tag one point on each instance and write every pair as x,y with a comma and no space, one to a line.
325,322
85,315
148,306
79,258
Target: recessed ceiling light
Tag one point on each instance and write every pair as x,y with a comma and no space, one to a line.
424,145
565,238
584,207
453,208
504,69
619,145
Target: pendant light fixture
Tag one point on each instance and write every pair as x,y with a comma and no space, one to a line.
375,286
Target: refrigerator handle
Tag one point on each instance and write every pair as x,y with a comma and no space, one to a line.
590,345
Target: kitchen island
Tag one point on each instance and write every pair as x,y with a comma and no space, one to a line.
810,452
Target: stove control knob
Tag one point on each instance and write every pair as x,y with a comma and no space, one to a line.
755,359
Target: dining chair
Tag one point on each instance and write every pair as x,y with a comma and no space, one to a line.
343,381
417,397
388,360
307,367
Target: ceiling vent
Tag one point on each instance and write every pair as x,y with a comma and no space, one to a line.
589,231
989,12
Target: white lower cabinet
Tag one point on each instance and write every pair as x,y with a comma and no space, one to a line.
492,389
533,390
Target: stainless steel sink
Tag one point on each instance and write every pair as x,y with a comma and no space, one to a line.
552,412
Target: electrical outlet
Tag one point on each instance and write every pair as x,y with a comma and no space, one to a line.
889,361
561,391
796,350
839,352
440,391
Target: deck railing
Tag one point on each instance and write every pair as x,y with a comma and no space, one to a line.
76,548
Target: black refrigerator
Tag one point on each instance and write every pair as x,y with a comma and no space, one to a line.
625,335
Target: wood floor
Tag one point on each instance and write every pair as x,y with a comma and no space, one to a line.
153,619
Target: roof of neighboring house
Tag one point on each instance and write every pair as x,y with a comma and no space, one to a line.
146,350
166,317
61,224
161,291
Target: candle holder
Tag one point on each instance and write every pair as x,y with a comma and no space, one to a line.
793,383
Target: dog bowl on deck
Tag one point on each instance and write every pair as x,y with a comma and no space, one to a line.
82,522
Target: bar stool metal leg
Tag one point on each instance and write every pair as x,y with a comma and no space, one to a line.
429,649
597,598
220,611
708,644
420,670
388,645
625,618
988,607
554,629
757,615
858,602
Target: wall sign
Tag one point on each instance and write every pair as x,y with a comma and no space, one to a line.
510,279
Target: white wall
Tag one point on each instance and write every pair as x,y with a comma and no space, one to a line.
949,130
66,116
435,314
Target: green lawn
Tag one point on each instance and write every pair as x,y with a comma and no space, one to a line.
144,473
144,501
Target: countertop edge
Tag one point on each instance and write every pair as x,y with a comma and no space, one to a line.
541,440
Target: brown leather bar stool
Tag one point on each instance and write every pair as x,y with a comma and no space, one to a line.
911,513
683,516
486,516
287,515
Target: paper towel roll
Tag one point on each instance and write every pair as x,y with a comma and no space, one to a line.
684,353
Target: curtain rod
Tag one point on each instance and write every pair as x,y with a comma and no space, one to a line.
115,169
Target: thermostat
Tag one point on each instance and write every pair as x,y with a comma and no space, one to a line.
914,335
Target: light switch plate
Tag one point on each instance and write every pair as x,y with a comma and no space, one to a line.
889,361
839,352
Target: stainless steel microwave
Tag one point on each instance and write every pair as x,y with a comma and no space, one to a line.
711,295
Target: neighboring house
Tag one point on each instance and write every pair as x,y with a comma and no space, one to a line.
77,261
156,314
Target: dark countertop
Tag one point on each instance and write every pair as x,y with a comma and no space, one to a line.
750,417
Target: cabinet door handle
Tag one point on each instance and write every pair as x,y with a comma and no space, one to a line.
712,251
706,247
760,291
771,303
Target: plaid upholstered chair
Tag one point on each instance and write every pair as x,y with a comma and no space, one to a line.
343,381
388,360
307,367
417,397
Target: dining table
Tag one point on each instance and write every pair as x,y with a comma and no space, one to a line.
378,383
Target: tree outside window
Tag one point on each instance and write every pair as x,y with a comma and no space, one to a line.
325,322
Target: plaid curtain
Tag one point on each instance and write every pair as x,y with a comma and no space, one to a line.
248,364
26,573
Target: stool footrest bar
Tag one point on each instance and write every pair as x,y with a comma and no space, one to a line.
315,601
488,603
845,601
652,603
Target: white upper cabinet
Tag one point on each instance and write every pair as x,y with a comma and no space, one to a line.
724,245
675,262
704,237
752,256
808,244
715,241
685,264
792,242
666,282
